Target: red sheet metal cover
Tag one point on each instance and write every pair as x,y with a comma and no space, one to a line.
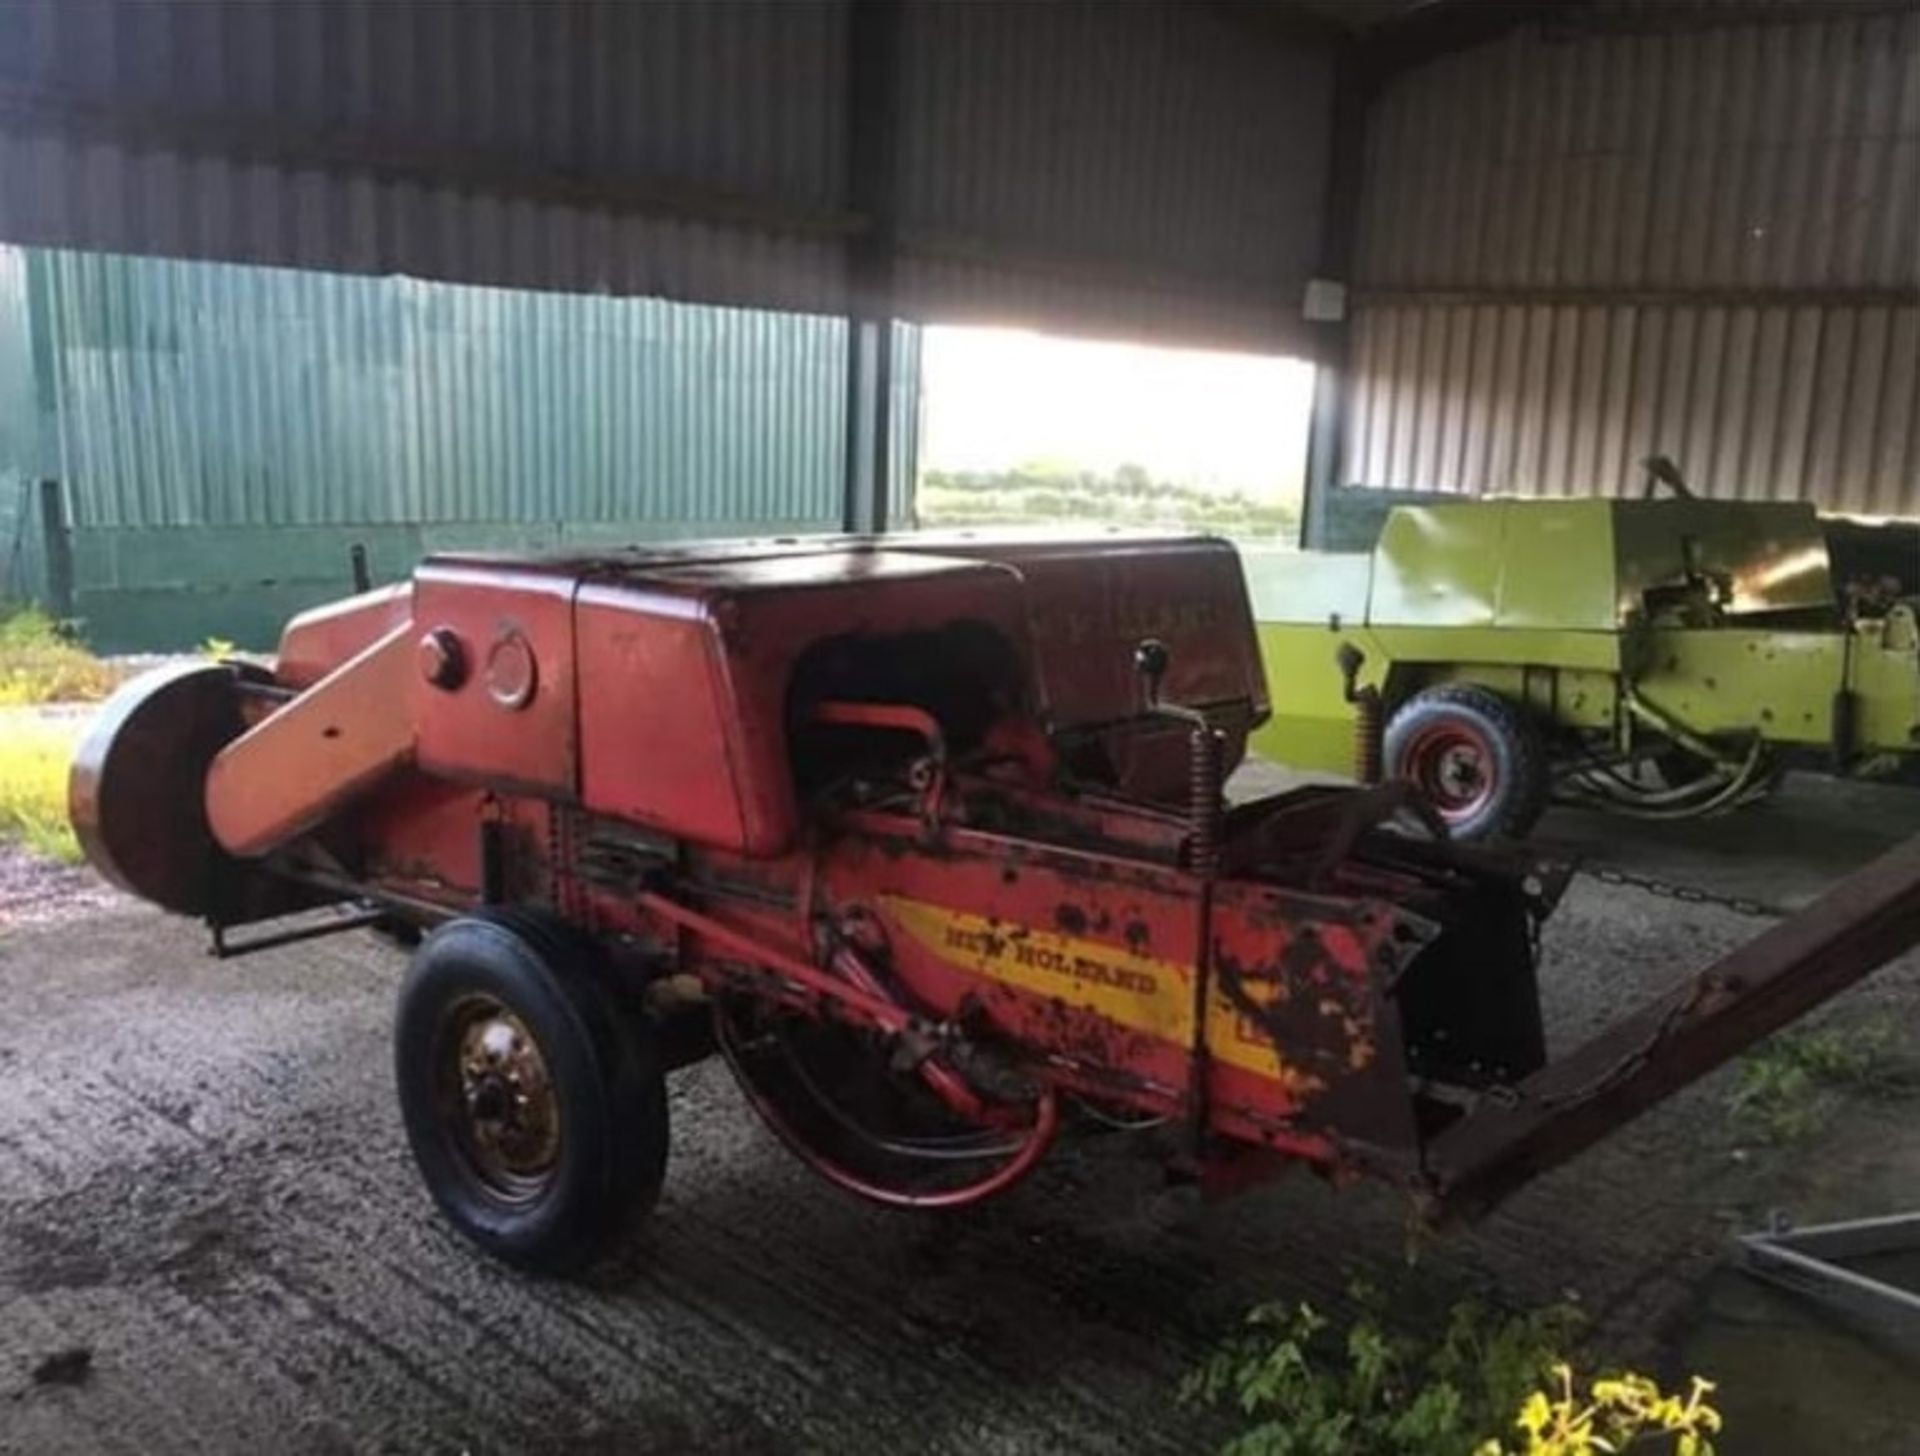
1092,600
686,671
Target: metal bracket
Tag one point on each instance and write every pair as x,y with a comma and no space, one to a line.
1808,1261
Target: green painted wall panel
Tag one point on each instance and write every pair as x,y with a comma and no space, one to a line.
227,432
141,590
22,564
200,393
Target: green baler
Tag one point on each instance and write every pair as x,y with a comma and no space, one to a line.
1660,657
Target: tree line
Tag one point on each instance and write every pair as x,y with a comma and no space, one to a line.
1129,495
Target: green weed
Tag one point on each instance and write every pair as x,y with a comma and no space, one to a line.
1304,1387
1308,1388
40,662
1792,1082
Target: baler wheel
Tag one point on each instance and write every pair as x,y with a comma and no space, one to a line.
1474,756
137,791
536,1111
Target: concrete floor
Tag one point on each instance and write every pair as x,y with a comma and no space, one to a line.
1796,1378
203,1183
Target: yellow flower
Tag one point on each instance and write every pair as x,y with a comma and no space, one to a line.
1535,1414
1624,1410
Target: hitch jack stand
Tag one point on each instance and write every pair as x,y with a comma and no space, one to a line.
342,921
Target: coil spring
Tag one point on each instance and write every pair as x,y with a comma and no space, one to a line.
1369,765
1206,756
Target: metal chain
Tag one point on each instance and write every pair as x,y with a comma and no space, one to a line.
1688,894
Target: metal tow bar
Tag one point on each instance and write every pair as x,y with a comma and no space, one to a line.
1752,991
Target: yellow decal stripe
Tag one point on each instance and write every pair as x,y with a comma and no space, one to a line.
1141,993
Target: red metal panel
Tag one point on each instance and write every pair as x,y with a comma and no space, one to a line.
766,612
1088,602
507,715
312,758
657,719
422,838
1091,602
765,634
316,642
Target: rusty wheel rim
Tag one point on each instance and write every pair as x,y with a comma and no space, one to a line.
1453,765
498,1098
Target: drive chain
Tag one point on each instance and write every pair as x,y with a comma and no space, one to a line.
1687,894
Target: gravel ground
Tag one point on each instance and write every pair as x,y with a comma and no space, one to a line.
203,1187
35,891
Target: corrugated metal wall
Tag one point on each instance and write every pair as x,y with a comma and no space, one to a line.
224,433
211,394
907,415
1153,167
1581,249
22,566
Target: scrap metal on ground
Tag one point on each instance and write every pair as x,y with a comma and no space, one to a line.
926,838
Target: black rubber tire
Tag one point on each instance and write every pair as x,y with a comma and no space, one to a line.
1521,780
604,1067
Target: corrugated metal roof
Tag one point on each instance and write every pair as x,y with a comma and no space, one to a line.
588,147
986,294
212,394
1129,167
1767,155
743,96
1148,166
62,191
1700,14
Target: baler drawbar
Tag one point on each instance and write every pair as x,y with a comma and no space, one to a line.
927,838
